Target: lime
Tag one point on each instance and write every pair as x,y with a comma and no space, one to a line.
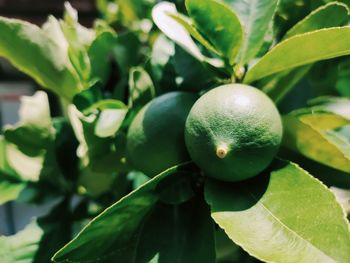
155,139
233,132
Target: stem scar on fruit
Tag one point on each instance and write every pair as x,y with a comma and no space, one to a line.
221,152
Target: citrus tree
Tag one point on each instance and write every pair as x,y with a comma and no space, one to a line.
190,131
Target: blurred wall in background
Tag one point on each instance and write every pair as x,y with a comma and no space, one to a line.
36,11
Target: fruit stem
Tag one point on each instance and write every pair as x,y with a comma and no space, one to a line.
221,152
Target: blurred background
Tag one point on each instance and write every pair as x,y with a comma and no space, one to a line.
14,84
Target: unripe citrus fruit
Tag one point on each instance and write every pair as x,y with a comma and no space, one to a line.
233,132
155,139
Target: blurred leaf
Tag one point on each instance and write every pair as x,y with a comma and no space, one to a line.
343,78
331,15
36,54
111,112
99,155
196,76
141,87
105,104
95,183
35,110
279,85
161,66
10,186
255,17
211,17
66,145
91,147
30,144
99,53
127,51
318,45
39,240
312,134
138,178
88,97
336,105
9,189
124,220
109,122
272,207
130,11
79,39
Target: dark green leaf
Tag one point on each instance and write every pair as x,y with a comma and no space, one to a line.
141,87
188,233
279,85
255,17
99,53
123,222
211,17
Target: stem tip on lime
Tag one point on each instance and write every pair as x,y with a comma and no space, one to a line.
221,152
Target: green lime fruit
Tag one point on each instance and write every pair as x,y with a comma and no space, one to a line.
155,139
233,132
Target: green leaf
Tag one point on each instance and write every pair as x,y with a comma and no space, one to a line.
337,105
330,15
35,110
141,87
160,66
85,99
91,147
195,75
318,45
191,230
9,189
109,122
162,16
79,39
31,143
174,30
188,25
111,116
283,207
32,51
105,104
123,220
39,240
212,18
255,16
10,186
312,134
279,85
99,52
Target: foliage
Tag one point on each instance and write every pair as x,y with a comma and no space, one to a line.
294,51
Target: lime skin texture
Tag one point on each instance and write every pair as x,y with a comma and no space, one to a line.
155,140
233,132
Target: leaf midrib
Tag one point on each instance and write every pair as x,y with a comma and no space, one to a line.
291,230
